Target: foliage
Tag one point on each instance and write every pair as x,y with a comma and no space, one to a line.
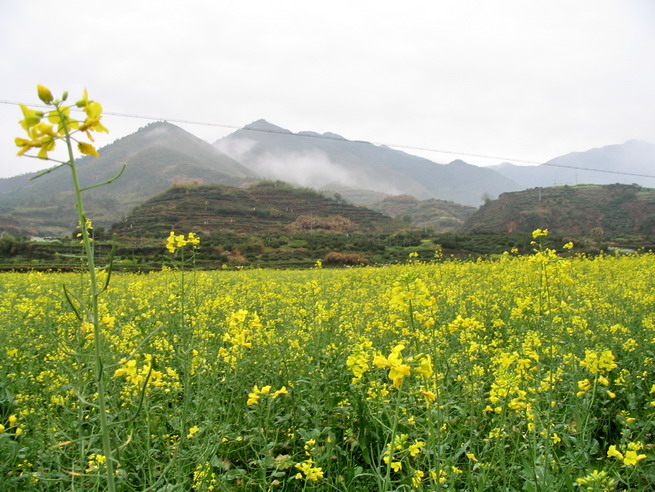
414,376
439,215
268,207
617,209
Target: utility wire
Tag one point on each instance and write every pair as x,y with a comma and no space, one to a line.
328,137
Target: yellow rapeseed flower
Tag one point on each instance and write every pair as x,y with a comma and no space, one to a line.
397,370
632,458
612,452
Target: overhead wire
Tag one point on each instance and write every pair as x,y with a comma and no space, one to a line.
338,139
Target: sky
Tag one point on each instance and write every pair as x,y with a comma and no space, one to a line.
520,80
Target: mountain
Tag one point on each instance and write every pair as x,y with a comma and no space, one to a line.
440,215
160,155
15,182
157,156
329,161
634,158
610,210
264,208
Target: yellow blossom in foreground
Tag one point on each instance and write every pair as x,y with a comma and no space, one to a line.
308,471
254,395
177,241
612,452
42,135
415,448
417,478
397,370
598,363
632,458
281,391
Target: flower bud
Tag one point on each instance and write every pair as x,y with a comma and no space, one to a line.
44,94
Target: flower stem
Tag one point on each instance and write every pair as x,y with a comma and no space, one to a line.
97,336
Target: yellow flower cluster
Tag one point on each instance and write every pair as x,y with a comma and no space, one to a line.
397,370
537,233
599,363
308,471
43,136
177,241
630,456
254,395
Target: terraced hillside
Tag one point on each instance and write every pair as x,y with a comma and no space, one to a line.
611,210
266,207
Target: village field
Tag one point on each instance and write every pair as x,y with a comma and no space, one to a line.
530,373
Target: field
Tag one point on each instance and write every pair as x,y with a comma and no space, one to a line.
523,373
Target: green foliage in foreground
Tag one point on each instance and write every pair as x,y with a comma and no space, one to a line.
527,373
286,250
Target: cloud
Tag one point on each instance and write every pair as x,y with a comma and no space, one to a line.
238,149
312,168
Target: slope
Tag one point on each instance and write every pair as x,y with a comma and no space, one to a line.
266,207
440,215
584,209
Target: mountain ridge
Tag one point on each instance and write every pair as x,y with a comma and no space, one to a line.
316,160
160,155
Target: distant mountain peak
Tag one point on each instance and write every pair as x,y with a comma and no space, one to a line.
334,136
262,125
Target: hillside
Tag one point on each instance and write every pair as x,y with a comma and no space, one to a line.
601,210
157,156
332,162
440,215
266,207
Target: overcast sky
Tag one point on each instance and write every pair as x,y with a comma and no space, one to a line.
518,79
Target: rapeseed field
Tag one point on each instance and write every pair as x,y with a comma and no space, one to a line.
532,372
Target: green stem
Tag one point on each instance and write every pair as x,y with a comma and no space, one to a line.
387,477
97,335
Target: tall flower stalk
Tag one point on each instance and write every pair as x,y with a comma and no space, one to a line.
44,131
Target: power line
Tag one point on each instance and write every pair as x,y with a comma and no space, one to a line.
599,170
328,137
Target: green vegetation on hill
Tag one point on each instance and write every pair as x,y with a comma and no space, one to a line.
263,208
599,210
440,215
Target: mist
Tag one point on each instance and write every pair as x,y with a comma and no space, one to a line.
311,168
